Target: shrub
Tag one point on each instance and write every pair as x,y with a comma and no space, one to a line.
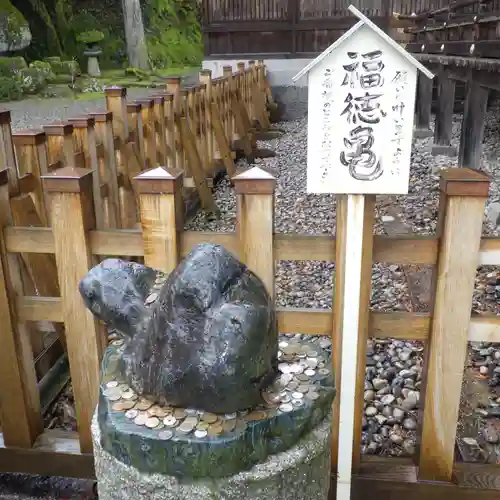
65,68
10,89
9,65
52,59
32,80
45,68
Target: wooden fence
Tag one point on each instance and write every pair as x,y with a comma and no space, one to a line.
76,242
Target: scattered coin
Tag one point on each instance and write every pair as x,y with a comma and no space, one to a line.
310,372
124,387
191,411
152,422
130,394
200,433
114,397
161,411
312,362
228,425
214,430
209,418
112,392
203,426
303,377
297,402
118,342
255,416
282,344
131,414
185,427
141,419
123,405
284,368
285,398
297,395
166,435
324,371
179,413
271,398
303,388
293,385
230,416
111,384
286,407
151,298
170,421
143,405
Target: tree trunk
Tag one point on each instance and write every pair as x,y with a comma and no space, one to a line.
134,33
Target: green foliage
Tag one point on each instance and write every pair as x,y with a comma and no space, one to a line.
10,89
173,33
45,68
59,67
32,80
90,37
9,65
138,73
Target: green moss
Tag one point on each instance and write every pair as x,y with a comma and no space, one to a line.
10,89
45,68
33,80
90,37
52,59
71,68
138,73
12,23
10,65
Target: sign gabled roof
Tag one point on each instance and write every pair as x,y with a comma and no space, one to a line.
362,21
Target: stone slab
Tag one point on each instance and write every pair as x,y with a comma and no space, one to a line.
299,473
264,431
438,149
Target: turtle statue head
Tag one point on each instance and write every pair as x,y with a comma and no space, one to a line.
204,337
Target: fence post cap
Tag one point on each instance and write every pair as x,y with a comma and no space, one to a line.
255,180
4,116
68,180
29,137
146,102
159,180
115,91
82,121
464,182
176,80
58,128
102,116
158,99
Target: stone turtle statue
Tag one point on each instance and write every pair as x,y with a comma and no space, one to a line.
206,340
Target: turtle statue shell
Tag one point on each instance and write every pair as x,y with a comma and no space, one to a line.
209,339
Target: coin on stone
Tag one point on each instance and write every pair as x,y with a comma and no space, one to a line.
312,395
297,395
209,418
200,433
214,430
310,372
230,416
324,371
185,427
130,394
296,368
170,421
282,343
131,414
303,388
114,397
152,422
117,342
122,405
151,298
143,405
112,392
124,387
286,407
284,368
297,402
179,413
313,354
161,411
228,425
141,419
166,435
202,426
111,384
271,398
293,385
255,416
285,397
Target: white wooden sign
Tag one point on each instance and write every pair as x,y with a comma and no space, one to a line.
360,114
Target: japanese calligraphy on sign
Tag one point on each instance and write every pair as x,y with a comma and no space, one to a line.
360,116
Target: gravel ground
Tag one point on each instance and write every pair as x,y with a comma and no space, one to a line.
392,386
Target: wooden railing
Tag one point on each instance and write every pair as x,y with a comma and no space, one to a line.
75,241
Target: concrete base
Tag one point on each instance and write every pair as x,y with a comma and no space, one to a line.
291,97
93,66
443,150
300,473
422,133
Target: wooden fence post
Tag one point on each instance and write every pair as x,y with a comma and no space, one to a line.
464,193
72,219
84,131
7,155
160,129
148,127
116,102
134,119
255,194
205,78
60,143
31,149
20,409
161,208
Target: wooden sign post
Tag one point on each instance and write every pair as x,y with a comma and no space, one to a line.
360,121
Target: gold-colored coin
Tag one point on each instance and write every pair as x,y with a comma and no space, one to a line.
202,426
152,422
123,405
141,419
143,405
228,425
255,416
129,395
114,397
179,413
209,418
215,430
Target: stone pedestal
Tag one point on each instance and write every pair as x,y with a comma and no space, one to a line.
93,69
300,473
